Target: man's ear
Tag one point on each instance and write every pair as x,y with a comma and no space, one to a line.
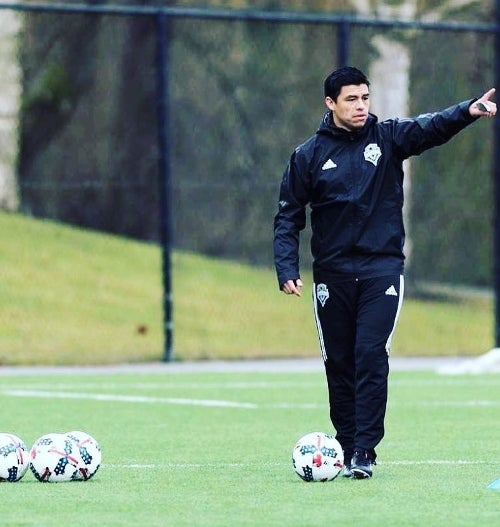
330,103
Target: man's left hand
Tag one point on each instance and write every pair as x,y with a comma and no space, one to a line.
483,106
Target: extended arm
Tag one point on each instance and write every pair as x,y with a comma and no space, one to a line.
415,135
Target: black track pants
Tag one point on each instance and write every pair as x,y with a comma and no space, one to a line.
355,321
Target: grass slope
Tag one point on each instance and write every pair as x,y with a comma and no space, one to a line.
69,296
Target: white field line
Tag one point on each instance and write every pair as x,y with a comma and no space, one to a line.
145,399
162,466
127,398
168,386
461,404
46,394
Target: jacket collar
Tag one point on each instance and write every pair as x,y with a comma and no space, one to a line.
328,127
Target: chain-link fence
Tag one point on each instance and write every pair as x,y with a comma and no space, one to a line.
243,92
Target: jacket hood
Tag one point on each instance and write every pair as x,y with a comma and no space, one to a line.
328,127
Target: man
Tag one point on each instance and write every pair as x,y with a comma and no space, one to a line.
350,173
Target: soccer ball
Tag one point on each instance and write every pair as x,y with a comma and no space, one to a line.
90,454
317,457
54,457
14,457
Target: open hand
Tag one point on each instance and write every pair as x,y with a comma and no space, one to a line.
483,106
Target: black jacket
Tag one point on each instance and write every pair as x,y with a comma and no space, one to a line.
353,182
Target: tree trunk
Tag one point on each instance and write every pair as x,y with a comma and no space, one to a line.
10,95
390,78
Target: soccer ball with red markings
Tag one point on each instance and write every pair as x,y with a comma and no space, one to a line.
317,457
14,457
54,457
90,454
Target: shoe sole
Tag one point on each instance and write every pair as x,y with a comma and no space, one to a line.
358,473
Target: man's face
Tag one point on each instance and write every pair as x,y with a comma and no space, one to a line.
350,111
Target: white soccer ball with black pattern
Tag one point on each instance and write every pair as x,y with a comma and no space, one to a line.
317,457
54,457
90,454
14,457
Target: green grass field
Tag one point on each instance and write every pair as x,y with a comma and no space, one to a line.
69,295
214,450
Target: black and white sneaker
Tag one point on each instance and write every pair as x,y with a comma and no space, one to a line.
347,464
347,471
361,464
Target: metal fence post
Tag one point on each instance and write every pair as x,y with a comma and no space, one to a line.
162,112
496,183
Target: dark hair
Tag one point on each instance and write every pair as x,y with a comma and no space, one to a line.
343,77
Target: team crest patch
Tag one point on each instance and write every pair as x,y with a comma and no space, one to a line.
372,153
322,294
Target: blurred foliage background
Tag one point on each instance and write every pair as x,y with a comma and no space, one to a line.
242,95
